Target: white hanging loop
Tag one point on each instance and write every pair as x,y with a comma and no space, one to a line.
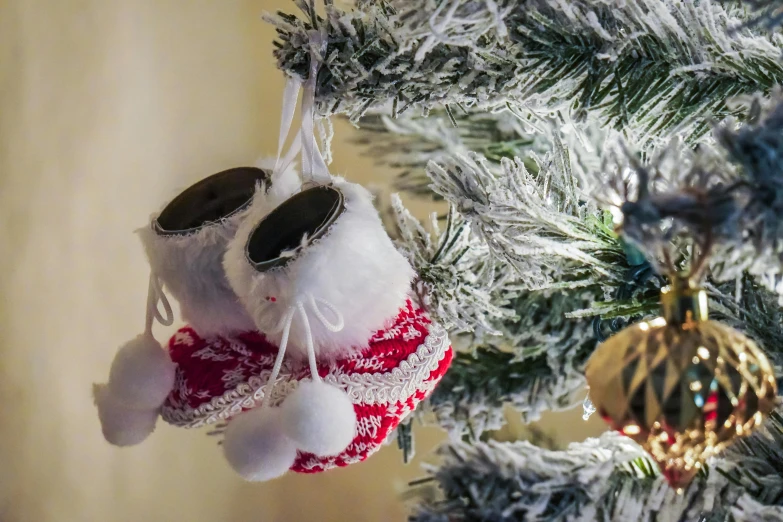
339,322
287,322
283,166
314,167
290,94
154,295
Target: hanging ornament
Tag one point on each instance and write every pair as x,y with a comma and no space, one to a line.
304,334
683,386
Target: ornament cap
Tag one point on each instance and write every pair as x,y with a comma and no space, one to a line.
683,302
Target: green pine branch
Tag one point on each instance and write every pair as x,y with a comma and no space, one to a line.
646,67
726,196
549,318
766,13
608,478
535,366
408,143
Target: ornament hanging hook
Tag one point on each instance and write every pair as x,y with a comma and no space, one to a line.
700,263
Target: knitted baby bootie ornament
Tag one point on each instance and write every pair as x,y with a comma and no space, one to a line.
186,241
307,342
320,278
185,244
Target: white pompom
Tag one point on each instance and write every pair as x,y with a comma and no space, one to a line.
122,426
142,374
319,418
256,447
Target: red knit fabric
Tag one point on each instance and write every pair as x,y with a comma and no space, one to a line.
208,368
218,378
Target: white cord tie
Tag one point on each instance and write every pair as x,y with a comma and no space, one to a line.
288,319
154,295
339,321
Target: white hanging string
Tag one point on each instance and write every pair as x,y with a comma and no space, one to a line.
270,384
287,322
154,295
290,94
310,344
296,146
314,167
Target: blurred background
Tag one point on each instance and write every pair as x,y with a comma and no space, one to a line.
107,110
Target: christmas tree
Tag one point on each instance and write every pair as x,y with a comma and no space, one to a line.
582,148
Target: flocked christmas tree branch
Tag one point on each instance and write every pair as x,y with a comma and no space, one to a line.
537,223
550,317
538,371
528,254
646,66
409,142
767,13
536,364
558,254
608,478
730,197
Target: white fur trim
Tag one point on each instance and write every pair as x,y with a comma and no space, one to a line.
354,267
191,267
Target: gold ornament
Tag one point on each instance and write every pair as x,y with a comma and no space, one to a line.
682,386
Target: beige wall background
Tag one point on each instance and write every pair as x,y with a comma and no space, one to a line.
107,109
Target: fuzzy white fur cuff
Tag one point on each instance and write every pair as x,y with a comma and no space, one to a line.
354,267
191,265
190,268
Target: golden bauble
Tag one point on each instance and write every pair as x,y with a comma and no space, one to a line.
682,386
